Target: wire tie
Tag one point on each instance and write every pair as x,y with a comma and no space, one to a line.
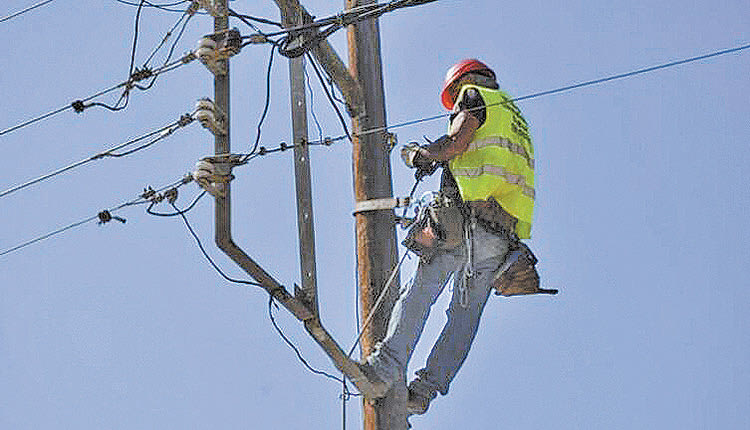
188,57
105,217
141,74
327,141
257,39
283,146
78,106
262,150
148,193
185,120
171,195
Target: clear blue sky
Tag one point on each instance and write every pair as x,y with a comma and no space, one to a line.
641,222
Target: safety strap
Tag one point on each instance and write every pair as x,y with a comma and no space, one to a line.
381,204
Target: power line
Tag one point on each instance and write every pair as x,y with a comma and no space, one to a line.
82,104
28,9
216,267
103,216
160,134
567,87
162,6
267,103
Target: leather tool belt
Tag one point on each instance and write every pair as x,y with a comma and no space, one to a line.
439,227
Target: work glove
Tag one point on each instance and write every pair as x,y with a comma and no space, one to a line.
413,158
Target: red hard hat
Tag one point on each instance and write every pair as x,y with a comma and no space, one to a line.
454,74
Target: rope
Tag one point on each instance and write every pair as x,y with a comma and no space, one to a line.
377,304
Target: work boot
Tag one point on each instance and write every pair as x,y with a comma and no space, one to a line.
418,403
375,387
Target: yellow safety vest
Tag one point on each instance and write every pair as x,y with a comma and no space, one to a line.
499,161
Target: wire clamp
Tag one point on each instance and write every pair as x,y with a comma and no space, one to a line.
210,116
105,217
391,141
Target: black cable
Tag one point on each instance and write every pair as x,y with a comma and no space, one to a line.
268,100
82,104
171,49
205,254
271,304
23,11
330,98
164,39
312,105
150,210
138,201
247,18
162,6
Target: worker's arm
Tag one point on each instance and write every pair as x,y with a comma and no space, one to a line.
457,140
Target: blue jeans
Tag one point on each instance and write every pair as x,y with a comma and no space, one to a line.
391,356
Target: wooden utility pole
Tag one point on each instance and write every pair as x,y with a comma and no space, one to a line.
377,250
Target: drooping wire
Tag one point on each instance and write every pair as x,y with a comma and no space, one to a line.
102,216
330,97
162,6
267,103
216,267
165,39
195,201
271,305
171,49
312,104
160,134
247,19
23,11
82,104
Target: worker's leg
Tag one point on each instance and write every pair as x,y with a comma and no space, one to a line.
409,314
464,314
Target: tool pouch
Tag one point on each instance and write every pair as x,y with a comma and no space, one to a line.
518,275
438,228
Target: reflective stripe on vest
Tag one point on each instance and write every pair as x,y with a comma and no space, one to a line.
491,169
503,143
499,161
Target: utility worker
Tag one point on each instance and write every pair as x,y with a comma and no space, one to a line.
471,232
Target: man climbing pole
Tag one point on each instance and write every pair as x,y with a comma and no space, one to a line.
471,230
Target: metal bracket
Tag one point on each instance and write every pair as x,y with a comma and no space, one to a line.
381,204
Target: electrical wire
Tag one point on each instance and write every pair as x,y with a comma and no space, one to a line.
267,103
171,49
247,18
562,89
312,103
162,6
165,38
82,104
28,9
272,304
160,134
150,210
216,267
330,97
138,201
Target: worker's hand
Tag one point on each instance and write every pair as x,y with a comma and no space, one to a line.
412,156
